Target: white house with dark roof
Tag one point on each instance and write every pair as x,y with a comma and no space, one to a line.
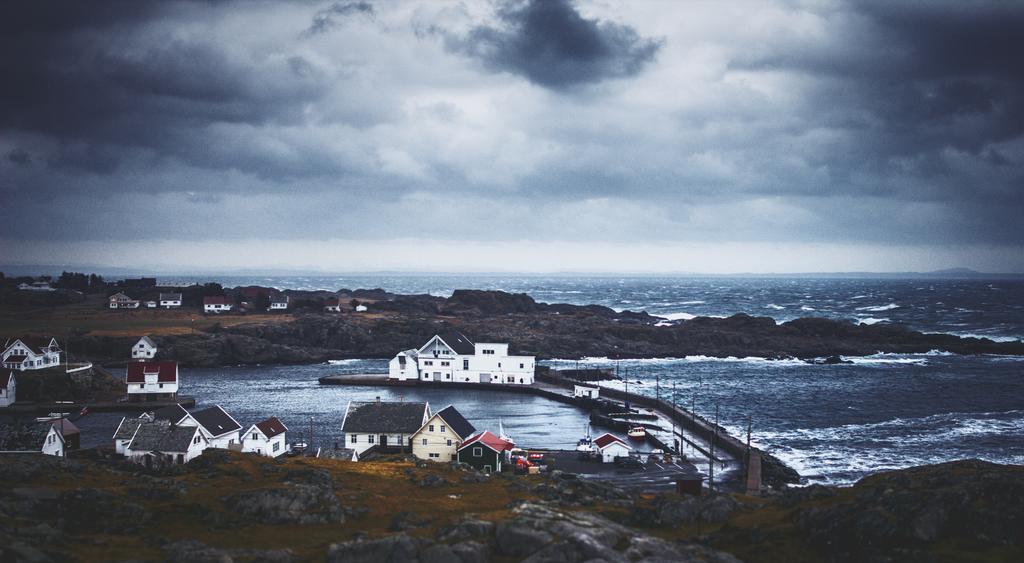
121,300
38,437
146,379
28,353
216,304
144,349
158,442
267,438
278,303
385,425
8,388
451,357
440,438
170,300
219,427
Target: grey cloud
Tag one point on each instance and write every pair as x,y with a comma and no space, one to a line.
551,44
19,156
326,19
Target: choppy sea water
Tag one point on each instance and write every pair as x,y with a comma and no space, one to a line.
833,423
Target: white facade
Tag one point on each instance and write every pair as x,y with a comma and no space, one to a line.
362,442
585,392
122,301
196,446
8,392
217,307
278,304
54,443
613,450
404,366
20,355
360,308
255,441
333,306
144,349
170,300
36,286
144,378
487,363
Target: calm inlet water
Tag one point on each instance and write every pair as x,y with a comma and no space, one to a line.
833,423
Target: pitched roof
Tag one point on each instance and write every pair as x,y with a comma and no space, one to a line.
171,413
65,426
279,299
15,359
490,440
271,427
216,421
147,341
166,371
458,342
126,430
215,300
605,440
404,418
24,438
35,344
162,436
5,377
456,421
170,297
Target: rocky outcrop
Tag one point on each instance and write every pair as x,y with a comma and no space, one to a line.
297,504
672,510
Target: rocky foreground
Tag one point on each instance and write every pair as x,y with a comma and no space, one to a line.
228,507
399,322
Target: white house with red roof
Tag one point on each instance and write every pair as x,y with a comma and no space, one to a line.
123,301
30,353
149,379
216,304
485,451
611,447
266,438
8,386
451,357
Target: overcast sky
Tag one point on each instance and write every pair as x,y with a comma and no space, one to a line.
768,136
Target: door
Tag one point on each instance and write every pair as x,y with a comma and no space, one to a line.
383,441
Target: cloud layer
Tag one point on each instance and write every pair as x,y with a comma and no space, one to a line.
525,122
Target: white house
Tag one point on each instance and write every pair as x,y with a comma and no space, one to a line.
220,428
170,300
440,438
159,442
151,380
144,349
126,430
360,308
30,353
381,424
611,447
279,303
585,392
451,357
121,301
216,304
39,437
266,438
333,305
36,286
8,387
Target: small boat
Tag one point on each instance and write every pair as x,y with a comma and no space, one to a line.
586,444
637,433
299,447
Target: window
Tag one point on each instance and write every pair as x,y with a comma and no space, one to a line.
428,363
353,438
447,376
142,386
465,364
431,427
161,385
449,442
442,428
277,446
424,441
435,455
445,364
253,435
370,438
520,366
489,352
478,452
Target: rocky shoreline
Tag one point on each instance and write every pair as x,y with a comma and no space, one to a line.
398,322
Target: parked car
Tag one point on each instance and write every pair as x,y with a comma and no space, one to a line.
629,462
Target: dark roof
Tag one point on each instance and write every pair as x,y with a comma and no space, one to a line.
167,372
171,413
161,436
404,418
127,428
65,426
456,421
458,342
24,438
36,345
489,440
12,359
170,297
5,377
215,300
149,342
216,421
271,427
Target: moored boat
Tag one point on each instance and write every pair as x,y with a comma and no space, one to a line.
637,433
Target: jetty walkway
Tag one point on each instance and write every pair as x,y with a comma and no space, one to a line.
719,455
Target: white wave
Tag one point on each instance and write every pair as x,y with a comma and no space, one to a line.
774,306
879,308
872,321
692,302
344,362
680,316
991,337
806,308
881,359
859,297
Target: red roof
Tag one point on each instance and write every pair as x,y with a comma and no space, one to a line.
215,300
489,440
5,378
167,372
605,440
271,427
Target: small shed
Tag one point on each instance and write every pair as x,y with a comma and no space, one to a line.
485,452
611,447
585,392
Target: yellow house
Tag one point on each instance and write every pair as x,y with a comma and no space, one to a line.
439,439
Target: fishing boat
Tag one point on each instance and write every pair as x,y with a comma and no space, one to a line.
637,433
503,435
586,443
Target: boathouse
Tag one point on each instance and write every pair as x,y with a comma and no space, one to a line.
611,447
151,381
384,426
451,357
441,436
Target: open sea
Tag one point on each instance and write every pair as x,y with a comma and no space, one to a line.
833,423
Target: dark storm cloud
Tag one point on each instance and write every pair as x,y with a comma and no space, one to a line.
551,44
327,19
